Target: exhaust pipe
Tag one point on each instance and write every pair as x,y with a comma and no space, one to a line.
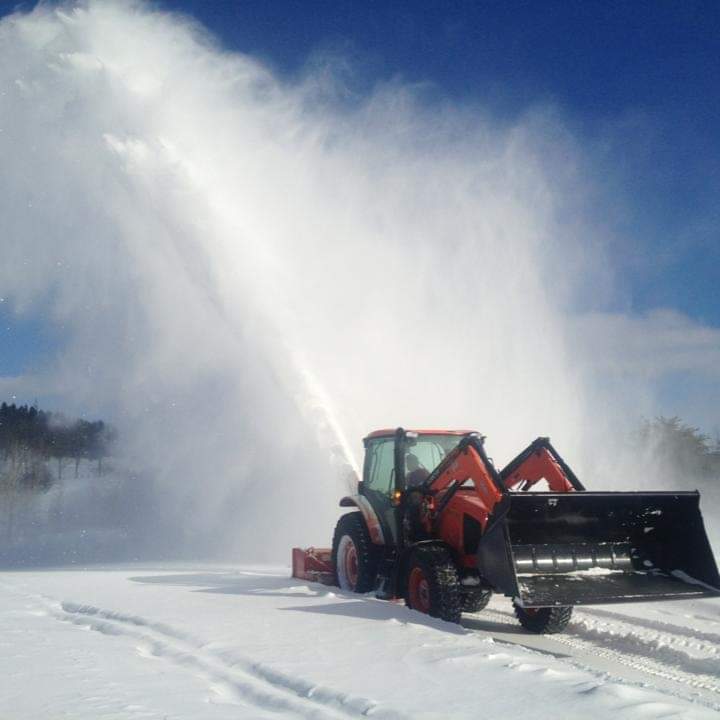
583,548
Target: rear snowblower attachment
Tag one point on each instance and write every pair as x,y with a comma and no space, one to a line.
579,548
314,564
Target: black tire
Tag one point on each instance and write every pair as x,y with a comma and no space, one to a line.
547,620
441,596
351,529
475,599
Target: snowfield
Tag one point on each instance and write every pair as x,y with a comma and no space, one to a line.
218,642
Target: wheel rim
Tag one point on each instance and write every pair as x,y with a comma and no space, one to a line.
347,569
419,591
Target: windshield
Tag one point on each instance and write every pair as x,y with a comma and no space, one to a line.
425,454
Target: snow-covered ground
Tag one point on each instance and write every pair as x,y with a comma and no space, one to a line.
217,642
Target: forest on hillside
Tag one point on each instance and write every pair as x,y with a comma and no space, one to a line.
30,438
37,448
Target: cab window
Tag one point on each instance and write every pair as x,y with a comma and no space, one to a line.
380,466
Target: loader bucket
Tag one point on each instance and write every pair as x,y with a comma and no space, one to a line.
582,548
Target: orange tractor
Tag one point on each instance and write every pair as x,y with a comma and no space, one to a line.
438,525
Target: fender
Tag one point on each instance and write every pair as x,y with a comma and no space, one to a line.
369,515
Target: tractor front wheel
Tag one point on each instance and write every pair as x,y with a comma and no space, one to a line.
354,557
545,620
432,585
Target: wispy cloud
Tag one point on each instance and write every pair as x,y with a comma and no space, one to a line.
651,345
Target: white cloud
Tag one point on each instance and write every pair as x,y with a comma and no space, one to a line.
651,345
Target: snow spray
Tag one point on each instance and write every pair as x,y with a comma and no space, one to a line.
249,273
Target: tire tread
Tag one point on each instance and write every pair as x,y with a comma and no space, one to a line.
353,524
444,584
475,599
546,621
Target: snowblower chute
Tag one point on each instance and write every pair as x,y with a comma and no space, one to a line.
598,547
436,524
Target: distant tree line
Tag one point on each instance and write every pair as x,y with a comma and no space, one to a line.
30,437
33,443
681,446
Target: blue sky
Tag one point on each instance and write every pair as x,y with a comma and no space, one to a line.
639,80
638,85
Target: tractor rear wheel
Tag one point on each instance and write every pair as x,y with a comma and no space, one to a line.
432,585
547,620
475,599
354,557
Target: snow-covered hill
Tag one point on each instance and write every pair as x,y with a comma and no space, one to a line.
217,642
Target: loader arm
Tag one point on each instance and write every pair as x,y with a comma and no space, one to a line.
537,461
468,461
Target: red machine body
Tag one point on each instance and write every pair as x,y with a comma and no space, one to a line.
437,524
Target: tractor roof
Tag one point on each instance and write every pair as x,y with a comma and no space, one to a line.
391,431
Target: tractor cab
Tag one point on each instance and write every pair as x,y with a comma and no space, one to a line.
400,460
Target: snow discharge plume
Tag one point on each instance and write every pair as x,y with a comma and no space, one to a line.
249,274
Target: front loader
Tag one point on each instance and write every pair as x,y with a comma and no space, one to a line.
435,523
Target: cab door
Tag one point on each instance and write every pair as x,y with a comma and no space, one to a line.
379,484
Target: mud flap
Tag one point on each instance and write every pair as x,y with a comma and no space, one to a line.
582,548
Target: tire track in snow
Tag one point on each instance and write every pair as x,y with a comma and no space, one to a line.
672,649
619,643
661,625
227,672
